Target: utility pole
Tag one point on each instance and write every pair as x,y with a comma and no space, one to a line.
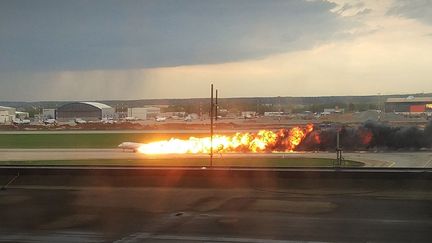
211,126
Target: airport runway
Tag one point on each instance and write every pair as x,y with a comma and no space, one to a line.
176,131
377,211
371,159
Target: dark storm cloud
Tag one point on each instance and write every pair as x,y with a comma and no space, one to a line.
85,35
415,9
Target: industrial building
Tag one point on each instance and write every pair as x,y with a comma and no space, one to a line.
88,111
409,105
273,113
49,114
22,115
328,111
7,114
144,113
248,114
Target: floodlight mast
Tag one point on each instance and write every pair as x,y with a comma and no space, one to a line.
211,126
213,115
339,157
216,106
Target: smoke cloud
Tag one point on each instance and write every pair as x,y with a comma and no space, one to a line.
370,135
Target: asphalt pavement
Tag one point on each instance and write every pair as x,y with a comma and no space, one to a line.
115,209
371,159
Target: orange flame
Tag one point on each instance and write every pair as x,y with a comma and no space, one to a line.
263,141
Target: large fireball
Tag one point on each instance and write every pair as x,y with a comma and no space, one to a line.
284,140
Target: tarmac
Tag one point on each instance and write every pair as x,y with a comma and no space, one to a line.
244,206
371,159
136,131
176,207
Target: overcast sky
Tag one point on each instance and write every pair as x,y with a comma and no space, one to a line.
93,50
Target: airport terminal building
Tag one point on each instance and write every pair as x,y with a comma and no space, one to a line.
409,105
88,111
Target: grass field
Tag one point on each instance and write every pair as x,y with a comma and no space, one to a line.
230,162
76,140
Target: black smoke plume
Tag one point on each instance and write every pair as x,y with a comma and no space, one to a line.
369,136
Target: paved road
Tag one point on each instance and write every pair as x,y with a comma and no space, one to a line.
122,214
391,159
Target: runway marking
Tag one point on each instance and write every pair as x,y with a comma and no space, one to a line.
428,164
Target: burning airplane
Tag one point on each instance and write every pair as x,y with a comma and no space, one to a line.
284,140
370,135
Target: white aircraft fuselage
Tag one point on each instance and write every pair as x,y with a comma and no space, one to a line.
129,146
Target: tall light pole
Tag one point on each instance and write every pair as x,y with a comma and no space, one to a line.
379,107
280,108
216,106
211,125
339,150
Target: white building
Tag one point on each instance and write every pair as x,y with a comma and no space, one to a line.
273,113
333,111
248,114
4,117
143,113
48,114
22,115
139,113
153,112
7,114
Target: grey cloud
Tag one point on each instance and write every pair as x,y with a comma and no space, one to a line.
365,11
345,7
51,35
349,6
30,86
415,9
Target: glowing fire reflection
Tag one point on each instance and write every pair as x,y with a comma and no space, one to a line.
285,140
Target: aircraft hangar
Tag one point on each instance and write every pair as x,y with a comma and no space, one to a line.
89,111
